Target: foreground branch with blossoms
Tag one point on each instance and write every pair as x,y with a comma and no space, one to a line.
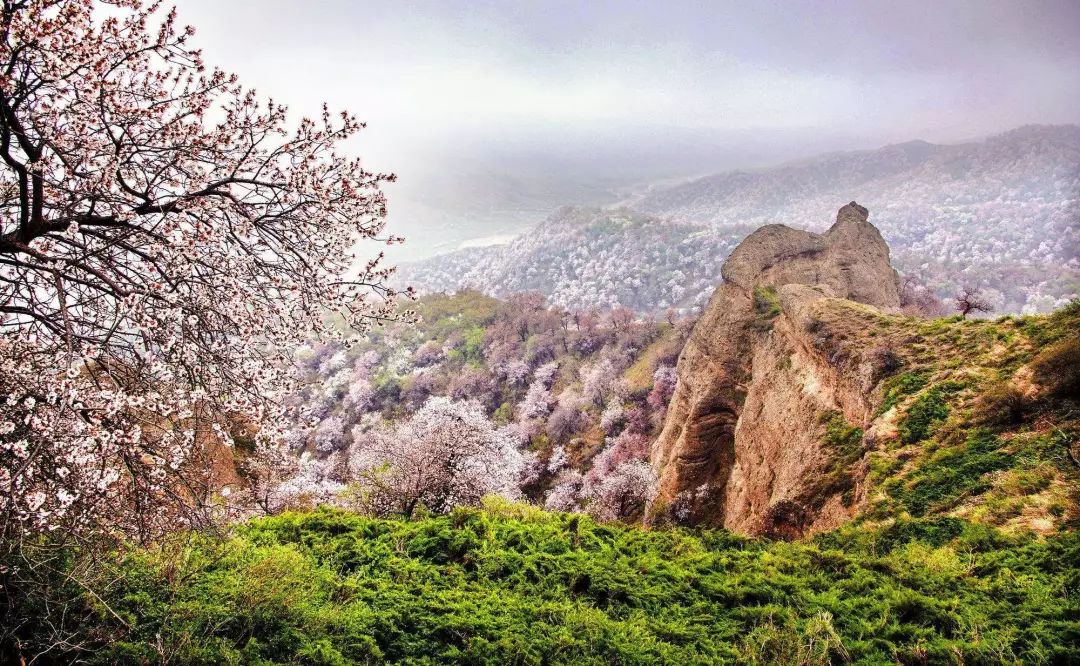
167,237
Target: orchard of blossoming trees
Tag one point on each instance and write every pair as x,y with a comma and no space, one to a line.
167,237
512,397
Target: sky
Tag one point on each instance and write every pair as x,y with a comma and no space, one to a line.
494,113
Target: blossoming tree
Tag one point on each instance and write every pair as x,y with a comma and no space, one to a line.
166,237
447,454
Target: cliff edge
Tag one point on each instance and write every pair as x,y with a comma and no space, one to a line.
764,432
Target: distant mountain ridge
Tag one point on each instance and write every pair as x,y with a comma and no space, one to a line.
1002,214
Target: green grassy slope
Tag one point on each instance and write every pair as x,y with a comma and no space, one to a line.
513,585
979,419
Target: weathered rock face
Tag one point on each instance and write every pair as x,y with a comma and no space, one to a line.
851,259
744,444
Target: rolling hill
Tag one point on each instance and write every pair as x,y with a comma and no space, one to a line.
1002,214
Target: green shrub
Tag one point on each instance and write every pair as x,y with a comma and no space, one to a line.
925,413
953,474
841,436
504,414
845,442
900,386
818,644
766,306
511,585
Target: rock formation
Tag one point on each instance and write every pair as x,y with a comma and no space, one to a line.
745,443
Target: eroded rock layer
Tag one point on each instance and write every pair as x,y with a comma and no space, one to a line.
761,434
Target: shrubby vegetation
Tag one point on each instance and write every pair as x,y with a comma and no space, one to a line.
986,426
766,306
509,584
929,409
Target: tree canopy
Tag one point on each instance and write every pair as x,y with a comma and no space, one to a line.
166,237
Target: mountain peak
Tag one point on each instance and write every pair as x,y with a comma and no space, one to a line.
852,213
851,259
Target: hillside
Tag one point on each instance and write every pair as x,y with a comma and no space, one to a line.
580,395
800,399
589,258
804,399
961,546
906,491
1001,214
512,585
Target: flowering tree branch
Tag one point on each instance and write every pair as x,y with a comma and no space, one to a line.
166,238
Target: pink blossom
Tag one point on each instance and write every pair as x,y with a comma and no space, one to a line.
170,238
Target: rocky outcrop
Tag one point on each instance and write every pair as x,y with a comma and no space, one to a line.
763,431
851,259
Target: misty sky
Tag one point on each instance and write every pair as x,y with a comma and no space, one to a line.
487,103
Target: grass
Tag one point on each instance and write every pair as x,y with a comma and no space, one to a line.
514,585
766,306
980,422
927,411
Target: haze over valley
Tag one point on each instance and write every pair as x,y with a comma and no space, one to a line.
494,114
1001,214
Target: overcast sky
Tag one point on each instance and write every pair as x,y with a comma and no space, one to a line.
442,82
